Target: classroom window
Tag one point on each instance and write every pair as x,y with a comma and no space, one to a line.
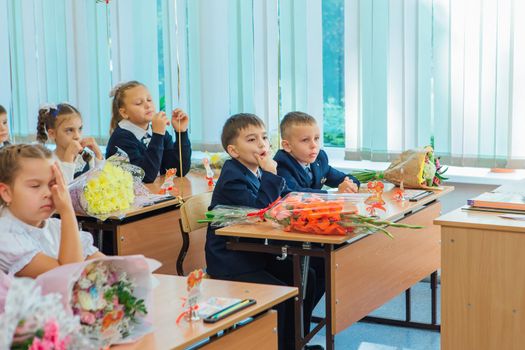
333,73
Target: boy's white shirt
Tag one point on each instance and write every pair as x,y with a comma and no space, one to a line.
20,242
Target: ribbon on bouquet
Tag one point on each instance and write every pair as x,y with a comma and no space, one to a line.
261,212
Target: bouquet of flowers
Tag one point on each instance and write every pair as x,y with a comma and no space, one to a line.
110,189
324,214
30,320
415,168
108,295
215,160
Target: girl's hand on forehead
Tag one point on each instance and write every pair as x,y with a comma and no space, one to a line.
59,191
159,123
179,120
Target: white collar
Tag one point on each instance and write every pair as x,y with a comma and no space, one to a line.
134,129
21,224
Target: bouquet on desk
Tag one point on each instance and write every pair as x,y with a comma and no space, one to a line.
32,321
110,296
323,214
415,168
215,160
111,189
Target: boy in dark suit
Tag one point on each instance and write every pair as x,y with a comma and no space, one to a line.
302,163
305,168
248,179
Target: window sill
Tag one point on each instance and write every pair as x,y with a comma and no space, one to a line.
479,176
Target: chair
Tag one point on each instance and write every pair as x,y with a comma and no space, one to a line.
192,210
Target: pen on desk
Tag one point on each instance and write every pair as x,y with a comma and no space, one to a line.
421,195
231,308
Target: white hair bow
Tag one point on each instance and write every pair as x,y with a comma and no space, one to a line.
48,107
115,89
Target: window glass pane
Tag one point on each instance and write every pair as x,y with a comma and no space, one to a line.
333,73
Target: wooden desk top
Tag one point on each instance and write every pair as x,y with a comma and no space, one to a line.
167,307
187,186
480,220
394,210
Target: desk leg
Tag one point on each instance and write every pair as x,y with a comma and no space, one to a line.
298,302
433,286
306,267
329,330
100,239
408,313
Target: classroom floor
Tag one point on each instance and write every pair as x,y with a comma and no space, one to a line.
367,336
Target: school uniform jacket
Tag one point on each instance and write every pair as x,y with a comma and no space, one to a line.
160,154
297,178
238,186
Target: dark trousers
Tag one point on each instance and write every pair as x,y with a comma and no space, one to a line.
285,311
281,273
315,287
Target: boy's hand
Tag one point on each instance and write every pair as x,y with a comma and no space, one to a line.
178,116
59,192
266,163
90,143
159,123
72,151
347,186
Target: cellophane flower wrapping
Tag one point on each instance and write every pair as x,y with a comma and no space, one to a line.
111,189
417,168
315,213
31,320
110,295
226,215
216,161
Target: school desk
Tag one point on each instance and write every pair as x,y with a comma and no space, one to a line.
259,334
363,272
153,231
482,284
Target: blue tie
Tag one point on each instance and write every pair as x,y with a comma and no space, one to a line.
309,173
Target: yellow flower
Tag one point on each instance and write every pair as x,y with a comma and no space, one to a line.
110,191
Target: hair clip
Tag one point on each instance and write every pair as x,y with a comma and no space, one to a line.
115,89
49,107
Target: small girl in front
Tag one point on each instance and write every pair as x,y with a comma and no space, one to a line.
32,188
140,131
63,124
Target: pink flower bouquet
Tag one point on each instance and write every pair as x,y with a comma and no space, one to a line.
32,321
110,296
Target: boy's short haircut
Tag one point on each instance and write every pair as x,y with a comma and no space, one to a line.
295,118
234,124
2,110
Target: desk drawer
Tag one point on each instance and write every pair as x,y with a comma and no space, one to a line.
156,237
260,334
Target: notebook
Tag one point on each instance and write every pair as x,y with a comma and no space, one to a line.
499,200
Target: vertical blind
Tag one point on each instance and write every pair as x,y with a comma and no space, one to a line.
441,70
415,71
212,58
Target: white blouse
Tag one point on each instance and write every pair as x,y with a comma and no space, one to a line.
70,169
20,242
